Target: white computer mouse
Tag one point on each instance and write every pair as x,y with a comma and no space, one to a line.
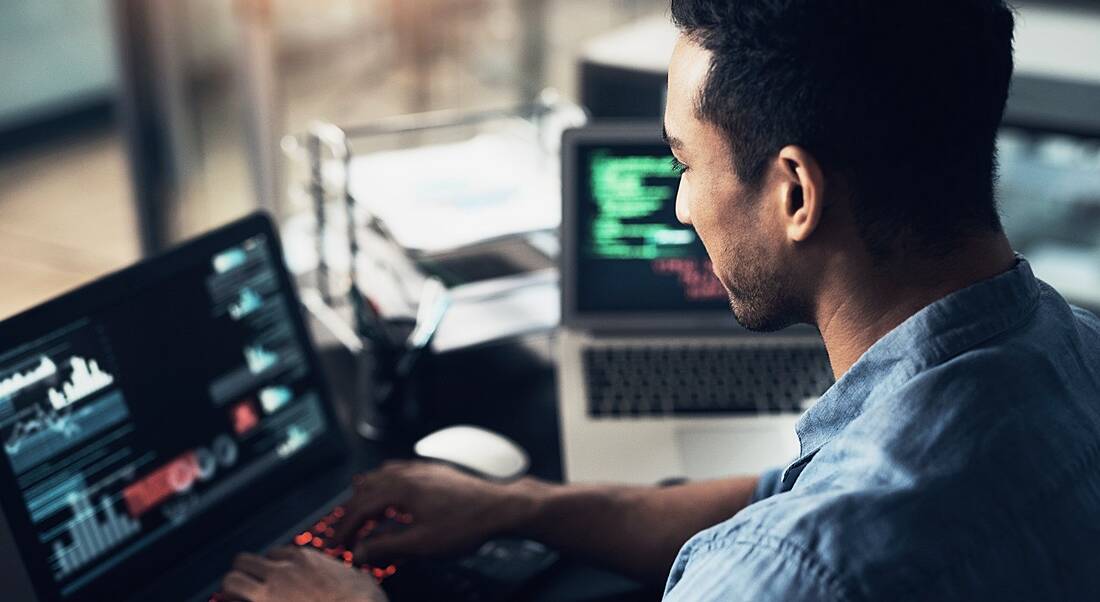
480,451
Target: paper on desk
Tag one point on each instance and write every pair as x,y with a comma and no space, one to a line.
499,309
441,197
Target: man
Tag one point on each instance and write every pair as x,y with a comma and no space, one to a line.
838,161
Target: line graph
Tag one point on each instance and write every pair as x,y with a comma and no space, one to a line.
43,421
44,432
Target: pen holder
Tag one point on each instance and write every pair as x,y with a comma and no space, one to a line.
389,404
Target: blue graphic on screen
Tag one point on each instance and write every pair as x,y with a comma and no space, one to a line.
248,302
45,433
93,530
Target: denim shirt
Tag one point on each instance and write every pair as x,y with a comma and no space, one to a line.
958,459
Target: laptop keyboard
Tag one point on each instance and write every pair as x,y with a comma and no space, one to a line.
637,380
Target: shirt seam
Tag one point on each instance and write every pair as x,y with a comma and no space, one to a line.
832,580
943,353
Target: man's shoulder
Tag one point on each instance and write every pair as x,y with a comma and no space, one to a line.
1026,384
862,537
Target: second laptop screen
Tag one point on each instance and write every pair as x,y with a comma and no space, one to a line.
633,254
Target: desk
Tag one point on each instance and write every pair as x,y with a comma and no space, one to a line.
508,388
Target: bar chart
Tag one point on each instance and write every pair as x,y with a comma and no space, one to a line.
18,381
94,529
85,379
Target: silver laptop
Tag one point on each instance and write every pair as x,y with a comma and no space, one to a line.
656,380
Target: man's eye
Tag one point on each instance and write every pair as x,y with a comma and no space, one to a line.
678,167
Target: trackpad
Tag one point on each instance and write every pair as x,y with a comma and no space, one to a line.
713,453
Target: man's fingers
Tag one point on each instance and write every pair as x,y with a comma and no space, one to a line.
253,566
361,508
285,553
240,585
391,546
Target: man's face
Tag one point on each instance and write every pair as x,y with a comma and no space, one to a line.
739,226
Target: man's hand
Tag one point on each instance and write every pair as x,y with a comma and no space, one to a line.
298,575
450,510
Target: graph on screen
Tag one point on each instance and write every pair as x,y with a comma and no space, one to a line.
17,381
259,358
247,303
93,529
46,432
86,378
57,394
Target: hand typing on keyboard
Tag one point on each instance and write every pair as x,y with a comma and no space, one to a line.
297,574
317,538
443,510
404,509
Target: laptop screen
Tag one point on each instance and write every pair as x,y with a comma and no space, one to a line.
130,410
632,255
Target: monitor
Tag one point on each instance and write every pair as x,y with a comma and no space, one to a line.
145,413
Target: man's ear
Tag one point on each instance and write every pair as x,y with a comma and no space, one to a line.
801,192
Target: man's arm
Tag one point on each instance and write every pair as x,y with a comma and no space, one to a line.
637,530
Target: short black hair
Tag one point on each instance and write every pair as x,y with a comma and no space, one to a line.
902,99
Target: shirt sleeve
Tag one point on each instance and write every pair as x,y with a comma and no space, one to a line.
759,570
770,483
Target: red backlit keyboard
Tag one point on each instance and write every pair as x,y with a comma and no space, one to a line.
496,571
320,534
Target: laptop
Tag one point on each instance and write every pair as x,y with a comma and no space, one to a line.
656,379
161,420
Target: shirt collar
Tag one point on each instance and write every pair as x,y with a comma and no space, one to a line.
941,330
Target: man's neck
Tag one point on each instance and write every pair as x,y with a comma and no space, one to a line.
866,303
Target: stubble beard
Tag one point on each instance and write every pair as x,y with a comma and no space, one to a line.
763,301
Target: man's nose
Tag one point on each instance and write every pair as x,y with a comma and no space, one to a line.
682,212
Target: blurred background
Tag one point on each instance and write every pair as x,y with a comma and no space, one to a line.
126,125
